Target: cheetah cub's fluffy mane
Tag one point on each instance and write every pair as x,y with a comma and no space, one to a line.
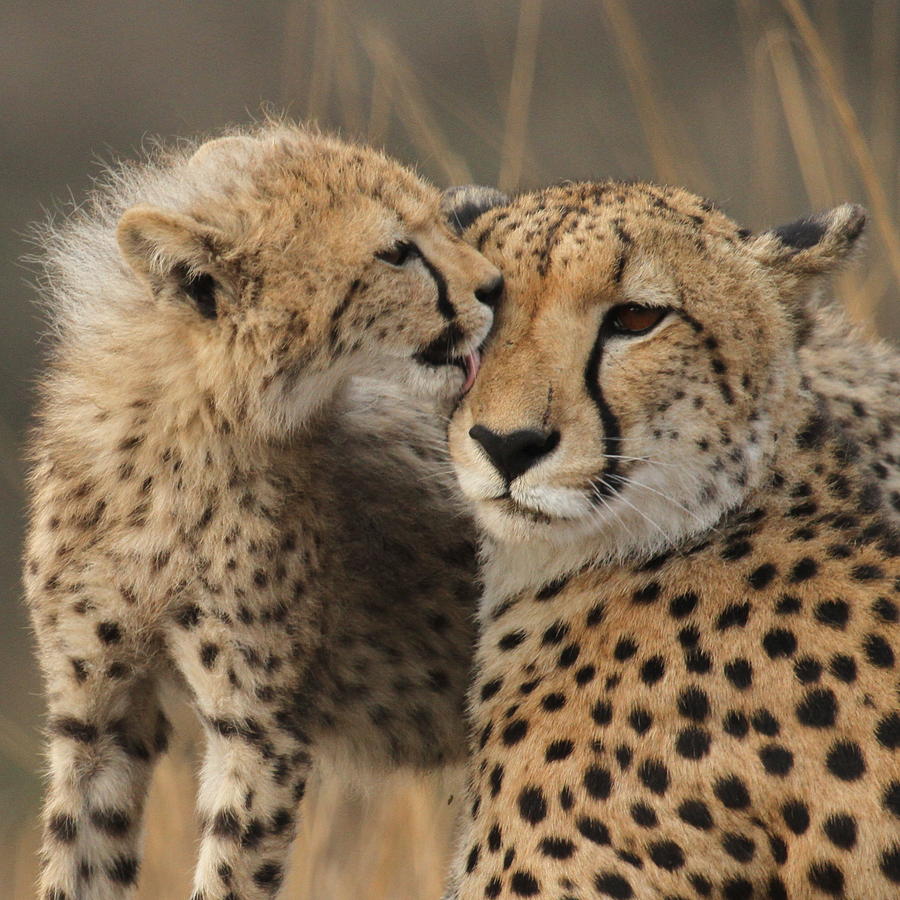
234,487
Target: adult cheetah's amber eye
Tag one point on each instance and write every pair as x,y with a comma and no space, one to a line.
399,254
631,318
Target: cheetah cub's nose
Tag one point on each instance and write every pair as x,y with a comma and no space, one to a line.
517,451
489,293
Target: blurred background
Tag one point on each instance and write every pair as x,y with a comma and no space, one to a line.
771,107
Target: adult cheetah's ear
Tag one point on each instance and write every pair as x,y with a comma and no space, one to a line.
175,254
464,204
812,246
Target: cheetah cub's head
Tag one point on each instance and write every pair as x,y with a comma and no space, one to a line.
641,365
284,261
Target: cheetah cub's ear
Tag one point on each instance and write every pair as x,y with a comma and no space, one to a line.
175,255
464,204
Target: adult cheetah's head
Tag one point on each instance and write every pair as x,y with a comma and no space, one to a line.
292,260
640,365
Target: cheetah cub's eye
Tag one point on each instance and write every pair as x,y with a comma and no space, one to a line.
631,318
399,254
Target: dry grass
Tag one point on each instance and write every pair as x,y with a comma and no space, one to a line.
392,843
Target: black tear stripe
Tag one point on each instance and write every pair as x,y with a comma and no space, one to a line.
339,310
611,430
445,307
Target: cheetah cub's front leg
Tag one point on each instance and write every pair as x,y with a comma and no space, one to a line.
213,311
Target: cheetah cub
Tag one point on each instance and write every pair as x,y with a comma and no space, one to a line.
687,672
214,495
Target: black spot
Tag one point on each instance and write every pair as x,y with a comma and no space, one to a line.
524,884
556,847
787,605
268,875
890,863
697,661
122,870
644,815
878,652
840,829
683,605
555,633
493,888
817,709
833,613
109,632
496,779
553,702
514,732
732,792
532,805
693,743
807,670
740,673
550,590
779,642
776,760
891,798
490,688
114,822
640,720
778,848
696,814
827,877
595,615
494,839
762,577
64,828
886,610
593,829
624,649
887,731
737,550
764,722
732,616
693,704
613,885
511,640
654,775
738,846
75,729
866,573
735,723
472,859
568,656
602,712
188,616
598,782
208,654
843,667
647,594
796,816
803,570
737,889
558,750
845,760
585,675
652,670
667,855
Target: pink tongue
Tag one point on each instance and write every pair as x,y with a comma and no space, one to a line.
473,363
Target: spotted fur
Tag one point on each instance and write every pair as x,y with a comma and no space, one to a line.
217,496
687,672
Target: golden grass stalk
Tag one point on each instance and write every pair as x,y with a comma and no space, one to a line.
404,89
521,83
847,120
764,111
799,118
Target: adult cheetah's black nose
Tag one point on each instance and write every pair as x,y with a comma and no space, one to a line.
489,293
517,451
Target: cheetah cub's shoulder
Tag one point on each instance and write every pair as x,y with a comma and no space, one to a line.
215,492
688,659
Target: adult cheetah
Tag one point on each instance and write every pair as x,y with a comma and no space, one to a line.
687,673
215,495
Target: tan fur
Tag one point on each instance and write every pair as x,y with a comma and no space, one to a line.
688,662
219,498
